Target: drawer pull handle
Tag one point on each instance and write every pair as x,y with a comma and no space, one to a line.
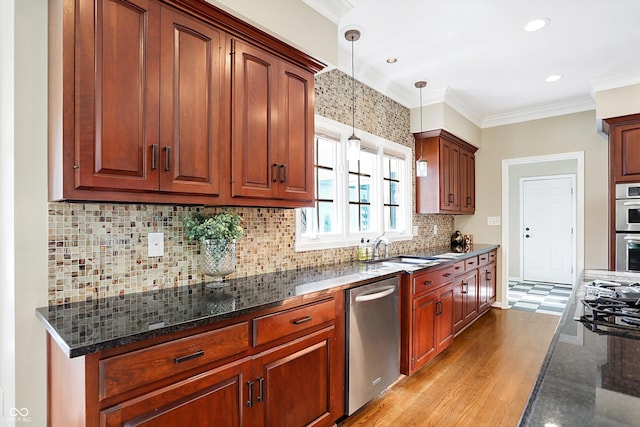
261,389
447,274
250,401
427,282
195,355
302,320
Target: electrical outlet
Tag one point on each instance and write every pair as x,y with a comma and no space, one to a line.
435,228
415,230
155,244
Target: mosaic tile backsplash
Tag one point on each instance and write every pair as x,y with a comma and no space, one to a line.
98,250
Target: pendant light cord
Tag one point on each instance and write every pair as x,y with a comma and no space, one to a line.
421,140
353,94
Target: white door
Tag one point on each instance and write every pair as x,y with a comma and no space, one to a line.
548,223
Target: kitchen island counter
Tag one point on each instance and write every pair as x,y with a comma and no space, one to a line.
587,378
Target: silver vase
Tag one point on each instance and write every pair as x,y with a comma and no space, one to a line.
218,258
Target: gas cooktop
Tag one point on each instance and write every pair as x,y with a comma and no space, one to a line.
611,308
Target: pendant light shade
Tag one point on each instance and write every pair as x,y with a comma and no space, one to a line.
353,148
421,163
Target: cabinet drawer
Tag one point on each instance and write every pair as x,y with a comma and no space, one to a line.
483,259
431,280
458,268
493,255
470,263
277,325
131,370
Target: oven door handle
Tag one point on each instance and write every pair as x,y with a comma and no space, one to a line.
632,239
376,294
631,203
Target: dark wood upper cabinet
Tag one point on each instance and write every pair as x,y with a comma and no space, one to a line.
449,187
272,127
624,148
189,156
142,107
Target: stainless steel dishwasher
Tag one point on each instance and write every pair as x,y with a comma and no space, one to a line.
373,341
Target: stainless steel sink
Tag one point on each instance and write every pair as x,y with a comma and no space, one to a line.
407,262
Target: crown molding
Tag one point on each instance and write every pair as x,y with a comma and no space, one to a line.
333,10
613,82
540,112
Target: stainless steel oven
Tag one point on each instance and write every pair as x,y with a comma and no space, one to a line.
628,207
628,251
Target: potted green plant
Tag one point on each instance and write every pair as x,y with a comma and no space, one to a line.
217,235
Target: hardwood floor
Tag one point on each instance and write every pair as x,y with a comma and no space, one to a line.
483,379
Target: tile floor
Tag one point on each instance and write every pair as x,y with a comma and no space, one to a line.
549,298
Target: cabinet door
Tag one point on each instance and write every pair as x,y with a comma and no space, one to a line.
458,303
626,142
189,153
450,170
295,154
116,99
424,331
214,398
444,317
293,383
471,296
467,181
254,122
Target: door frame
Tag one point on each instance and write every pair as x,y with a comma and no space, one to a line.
573,219
504,260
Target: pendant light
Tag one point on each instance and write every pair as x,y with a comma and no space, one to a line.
353,147
421,164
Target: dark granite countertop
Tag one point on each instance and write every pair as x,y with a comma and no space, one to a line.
86,327
587,378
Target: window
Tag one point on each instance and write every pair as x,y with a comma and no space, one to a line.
359,198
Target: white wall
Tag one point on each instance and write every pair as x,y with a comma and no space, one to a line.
23,194
563,134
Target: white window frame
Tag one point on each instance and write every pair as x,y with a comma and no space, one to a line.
343,237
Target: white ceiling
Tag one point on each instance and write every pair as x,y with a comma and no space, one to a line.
476,56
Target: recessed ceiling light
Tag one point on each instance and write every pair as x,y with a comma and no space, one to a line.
537,24
553,78
392,60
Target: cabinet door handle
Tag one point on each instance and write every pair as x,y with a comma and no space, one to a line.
301,320
468,200
274,172
167,159
250,401
154,156
283,168
438,308
195,355
260,389
464,285
450,197
488,275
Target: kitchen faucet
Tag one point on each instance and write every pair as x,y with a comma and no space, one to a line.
376,246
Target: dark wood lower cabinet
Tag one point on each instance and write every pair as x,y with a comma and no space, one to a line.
293,384
260,370
188,402
427,317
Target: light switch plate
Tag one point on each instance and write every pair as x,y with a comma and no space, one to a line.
493,220
155,244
